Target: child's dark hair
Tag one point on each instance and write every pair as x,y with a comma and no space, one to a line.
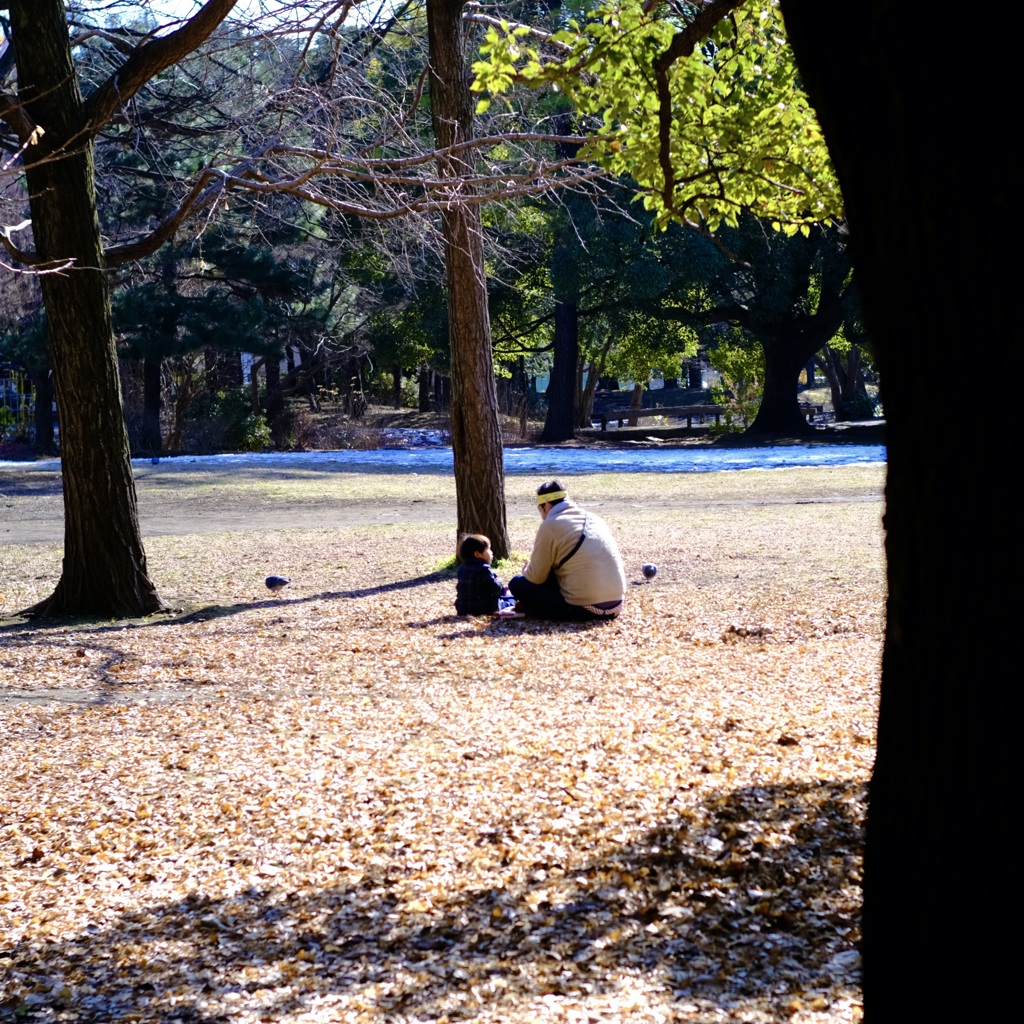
473,544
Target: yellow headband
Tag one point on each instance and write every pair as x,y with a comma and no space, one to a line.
543,499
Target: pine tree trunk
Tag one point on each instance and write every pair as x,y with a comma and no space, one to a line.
104,571
476,432
941,790
425,378
152,404
274,402
559,423
42,381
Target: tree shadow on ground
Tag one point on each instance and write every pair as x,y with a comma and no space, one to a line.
37,484
211,611
736,903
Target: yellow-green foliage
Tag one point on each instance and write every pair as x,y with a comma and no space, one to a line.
742,134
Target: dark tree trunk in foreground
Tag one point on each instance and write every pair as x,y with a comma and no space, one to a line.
104,569
560,422
940,795
476,434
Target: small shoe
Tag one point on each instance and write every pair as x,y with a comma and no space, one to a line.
509,613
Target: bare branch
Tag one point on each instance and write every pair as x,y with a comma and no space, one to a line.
473,15
150,59
13,114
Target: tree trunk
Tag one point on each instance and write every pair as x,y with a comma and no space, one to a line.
598,361
579,412
42,381
940,793
396,386
274,402
854,401
636,401
560,424
586,410
833,369
476,433
850,398
104,570
442,392
152,404
779,413
426,386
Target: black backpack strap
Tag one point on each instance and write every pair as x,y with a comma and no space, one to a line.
576,547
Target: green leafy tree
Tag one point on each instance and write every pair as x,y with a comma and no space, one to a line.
843,361
610,272
790,295
699,104
740,361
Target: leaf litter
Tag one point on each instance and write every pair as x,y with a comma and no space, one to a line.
344,803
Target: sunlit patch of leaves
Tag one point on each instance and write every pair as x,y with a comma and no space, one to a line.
344,803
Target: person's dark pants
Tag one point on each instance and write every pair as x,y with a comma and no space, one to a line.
545,601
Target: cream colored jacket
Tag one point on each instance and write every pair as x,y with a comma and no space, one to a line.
595,573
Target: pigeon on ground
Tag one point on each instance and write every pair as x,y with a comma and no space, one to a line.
649,569
275,583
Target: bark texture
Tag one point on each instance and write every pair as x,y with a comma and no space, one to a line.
104,570
940,790
476,434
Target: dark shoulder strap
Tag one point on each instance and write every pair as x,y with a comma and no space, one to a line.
576,546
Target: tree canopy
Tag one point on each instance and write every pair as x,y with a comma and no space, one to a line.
699,103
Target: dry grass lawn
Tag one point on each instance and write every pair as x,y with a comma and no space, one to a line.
345,804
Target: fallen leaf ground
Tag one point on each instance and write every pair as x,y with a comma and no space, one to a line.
346,804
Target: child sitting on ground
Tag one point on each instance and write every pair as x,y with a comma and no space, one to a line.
478,590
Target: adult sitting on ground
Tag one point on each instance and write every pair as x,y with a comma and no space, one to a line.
575,572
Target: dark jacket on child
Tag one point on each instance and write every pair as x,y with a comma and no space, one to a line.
478,589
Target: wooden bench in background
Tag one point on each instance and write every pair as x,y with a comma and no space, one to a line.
689,411
701,412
